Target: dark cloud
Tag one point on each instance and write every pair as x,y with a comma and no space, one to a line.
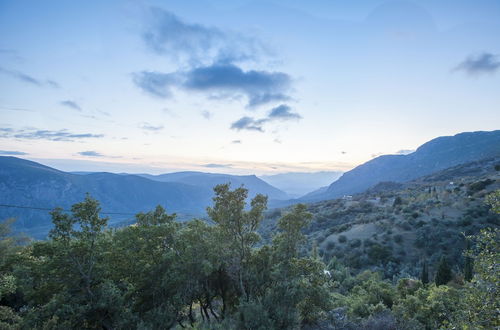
12,153
218,165
248,123
480,64
34,134
28,79
151,128
283,112
259,87
71,104
90,154
166,34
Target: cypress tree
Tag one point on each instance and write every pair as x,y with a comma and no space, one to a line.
469,265
424,275
443,274
468,273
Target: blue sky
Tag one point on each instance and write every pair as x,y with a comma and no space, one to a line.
242,86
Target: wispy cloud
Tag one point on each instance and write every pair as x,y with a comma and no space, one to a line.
212,165
35,134
156,83
28,79
404,152
283,112
236,142
484,63
71,104
249,124
151,128
90,154
206,114
196,44
16,109
12,153
226,80
211,60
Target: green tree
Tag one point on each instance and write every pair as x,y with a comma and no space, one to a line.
424,275
237,226
9,246
443,273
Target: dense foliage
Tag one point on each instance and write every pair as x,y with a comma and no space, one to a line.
160,274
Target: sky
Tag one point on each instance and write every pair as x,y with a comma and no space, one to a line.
242,87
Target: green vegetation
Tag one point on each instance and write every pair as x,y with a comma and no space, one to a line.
160,274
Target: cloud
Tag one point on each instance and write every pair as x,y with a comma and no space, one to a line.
249,124
226,80
28,79
156,83
283,112
168,35
35,134
71,104
480,64
236,142
404,152
151,128
206,114
16,109
90,154
259,86
218,165
12,153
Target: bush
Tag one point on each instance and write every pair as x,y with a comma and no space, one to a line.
342,239
355,243
398,239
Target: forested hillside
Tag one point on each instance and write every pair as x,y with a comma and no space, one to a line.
394,228
161,274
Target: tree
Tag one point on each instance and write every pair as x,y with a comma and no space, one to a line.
424,275
443,274
237,226
291,225
468,263
66,281
9,246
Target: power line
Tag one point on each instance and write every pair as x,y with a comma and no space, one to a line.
52,209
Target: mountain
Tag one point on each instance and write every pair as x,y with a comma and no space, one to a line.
209,180
27,183
435,155
297,184
390,227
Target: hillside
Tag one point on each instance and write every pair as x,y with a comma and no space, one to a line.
394,226
28,183
435,155
210,180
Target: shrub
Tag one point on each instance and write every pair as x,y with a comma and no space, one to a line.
355,243
398,239
342,239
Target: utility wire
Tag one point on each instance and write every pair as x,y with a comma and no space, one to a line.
52,209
